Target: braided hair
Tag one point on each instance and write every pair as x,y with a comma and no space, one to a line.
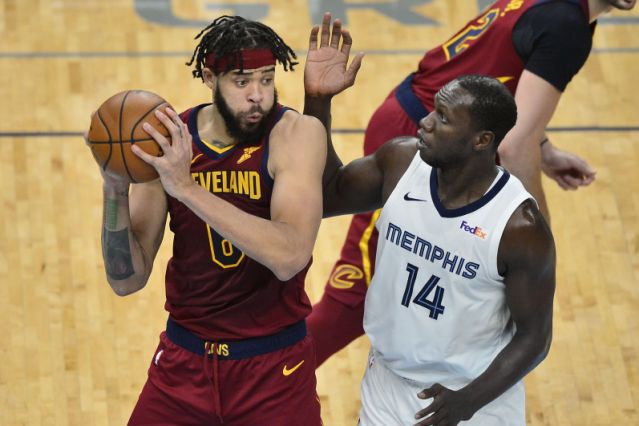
228,35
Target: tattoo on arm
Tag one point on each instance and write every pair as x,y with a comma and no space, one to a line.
110,214
117,254
117,251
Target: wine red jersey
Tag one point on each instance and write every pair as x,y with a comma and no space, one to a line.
213,288
484,46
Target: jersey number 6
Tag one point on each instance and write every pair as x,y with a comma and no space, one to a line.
222,251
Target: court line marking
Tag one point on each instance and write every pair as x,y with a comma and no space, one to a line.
64,134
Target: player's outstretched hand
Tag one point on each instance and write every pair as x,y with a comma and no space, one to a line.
448,407
326,74
567,169
174,165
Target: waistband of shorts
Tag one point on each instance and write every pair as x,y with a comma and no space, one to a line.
239,349
409,102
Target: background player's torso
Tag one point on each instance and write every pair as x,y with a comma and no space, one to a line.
484,46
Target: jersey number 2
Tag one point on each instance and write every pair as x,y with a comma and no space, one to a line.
222,251
461,41
434,304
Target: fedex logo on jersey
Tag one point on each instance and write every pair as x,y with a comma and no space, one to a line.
475,230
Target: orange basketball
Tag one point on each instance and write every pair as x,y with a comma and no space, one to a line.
117,124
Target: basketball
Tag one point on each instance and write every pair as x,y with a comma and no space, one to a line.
117,124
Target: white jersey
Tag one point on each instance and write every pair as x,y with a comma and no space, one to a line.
436,307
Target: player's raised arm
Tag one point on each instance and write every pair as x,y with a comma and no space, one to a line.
366,183
326,74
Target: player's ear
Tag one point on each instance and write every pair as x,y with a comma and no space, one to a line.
483,140
209,78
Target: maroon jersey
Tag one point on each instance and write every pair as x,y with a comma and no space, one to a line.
484,46
213,288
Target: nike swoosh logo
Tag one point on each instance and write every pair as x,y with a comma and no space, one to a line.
157,356
407,197
287,372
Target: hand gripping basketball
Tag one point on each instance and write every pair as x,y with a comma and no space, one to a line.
117,126
175,164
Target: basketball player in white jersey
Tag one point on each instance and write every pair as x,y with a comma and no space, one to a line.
460,307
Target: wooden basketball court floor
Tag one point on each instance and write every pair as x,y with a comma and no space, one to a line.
74,353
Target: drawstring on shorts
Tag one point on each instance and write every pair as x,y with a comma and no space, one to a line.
209,348
215,352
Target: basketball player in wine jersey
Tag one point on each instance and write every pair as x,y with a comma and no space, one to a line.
235,350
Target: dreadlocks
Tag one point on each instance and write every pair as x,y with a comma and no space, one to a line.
227,35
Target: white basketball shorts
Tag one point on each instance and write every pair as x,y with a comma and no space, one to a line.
391,400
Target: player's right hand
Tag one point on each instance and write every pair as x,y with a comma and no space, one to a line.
567,169
448,407
174,165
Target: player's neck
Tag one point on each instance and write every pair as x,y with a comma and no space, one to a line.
460,187
211,127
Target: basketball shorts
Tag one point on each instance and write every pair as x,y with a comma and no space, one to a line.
388,399
230,385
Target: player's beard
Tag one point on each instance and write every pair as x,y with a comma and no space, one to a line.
243,134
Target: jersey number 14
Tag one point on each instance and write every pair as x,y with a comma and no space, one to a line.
424,298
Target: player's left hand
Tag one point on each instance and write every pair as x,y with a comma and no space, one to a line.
325,74
448,408
110,178
567,169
